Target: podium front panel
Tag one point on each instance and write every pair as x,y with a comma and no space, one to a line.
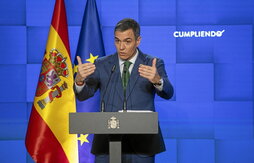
113,123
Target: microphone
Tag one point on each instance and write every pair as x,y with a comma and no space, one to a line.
102,101
125,105
125,99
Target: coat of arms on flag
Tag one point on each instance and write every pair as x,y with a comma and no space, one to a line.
51,70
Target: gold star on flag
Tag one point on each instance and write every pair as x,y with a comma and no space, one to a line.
92,58
75,69
83,138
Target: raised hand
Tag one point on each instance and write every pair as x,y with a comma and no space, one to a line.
84,70
150,72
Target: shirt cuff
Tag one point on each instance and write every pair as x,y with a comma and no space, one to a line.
159,87
79,88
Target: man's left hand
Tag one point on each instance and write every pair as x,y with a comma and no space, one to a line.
150,72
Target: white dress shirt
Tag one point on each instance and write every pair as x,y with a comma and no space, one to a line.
132,60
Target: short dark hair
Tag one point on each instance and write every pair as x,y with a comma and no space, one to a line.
126,24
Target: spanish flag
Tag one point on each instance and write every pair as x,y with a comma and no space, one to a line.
48,139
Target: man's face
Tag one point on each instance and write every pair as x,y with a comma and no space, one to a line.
126,44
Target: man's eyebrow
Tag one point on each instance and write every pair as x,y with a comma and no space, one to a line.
124,39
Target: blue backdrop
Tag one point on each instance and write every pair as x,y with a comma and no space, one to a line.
209,119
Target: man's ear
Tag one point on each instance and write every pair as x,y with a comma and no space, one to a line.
138,41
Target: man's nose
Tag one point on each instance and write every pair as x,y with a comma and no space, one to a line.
122,46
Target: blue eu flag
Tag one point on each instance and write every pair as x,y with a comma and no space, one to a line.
90,46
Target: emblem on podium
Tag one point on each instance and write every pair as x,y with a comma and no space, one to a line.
113,123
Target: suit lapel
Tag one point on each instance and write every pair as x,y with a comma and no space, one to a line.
134,74
117,79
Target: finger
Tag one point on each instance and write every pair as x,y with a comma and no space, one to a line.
141,65
154,62
143,70
89,72
145,76
89,66
147,70
91,69
88,69
79,60
144,67
86,73
86,66
146,73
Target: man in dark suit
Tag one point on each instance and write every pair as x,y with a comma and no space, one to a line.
135,78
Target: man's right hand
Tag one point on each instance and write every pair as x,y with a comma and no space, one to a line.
84,70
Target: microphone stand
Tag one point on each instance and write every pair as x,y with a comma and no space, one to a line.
124,95
102,101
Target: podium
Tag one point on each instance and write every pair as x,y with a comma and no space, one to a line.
114,123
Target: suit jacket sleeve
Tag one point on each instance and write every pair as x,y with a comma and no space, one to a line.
167,90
